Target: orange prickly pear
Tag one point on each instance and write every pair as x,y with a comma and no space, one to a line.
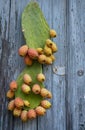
13,85
17,112
31,114
46,104
36,88
11,105
23,50
27,79
33,54
28,60
40,111
53,33
41,77
10,94
24,115
18,102
25,88
40,51
42,59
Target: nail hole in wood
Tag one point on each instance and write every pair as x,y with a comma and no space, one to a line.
80,72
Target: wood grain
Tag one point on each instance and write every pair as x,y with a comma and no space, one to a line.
56,18
76,65
67,17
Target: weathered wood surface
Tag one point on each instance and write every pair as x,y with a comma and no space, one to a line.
67,17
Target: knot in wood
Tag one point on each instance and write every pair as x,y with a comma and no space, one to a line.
80,72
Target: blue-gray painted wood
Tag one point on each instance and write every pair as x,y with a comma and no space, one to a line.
56,17
67,17
75,90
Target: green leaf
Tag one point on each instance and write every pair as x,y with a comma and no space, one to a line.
36,29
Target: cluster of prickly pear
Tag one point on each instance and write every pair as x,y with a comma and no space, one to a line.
17,105
28,94
42,55
29,54
46,54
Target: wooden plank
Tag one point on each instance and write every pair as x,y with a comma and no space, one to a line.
5,52
59,23
55,12
76,65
